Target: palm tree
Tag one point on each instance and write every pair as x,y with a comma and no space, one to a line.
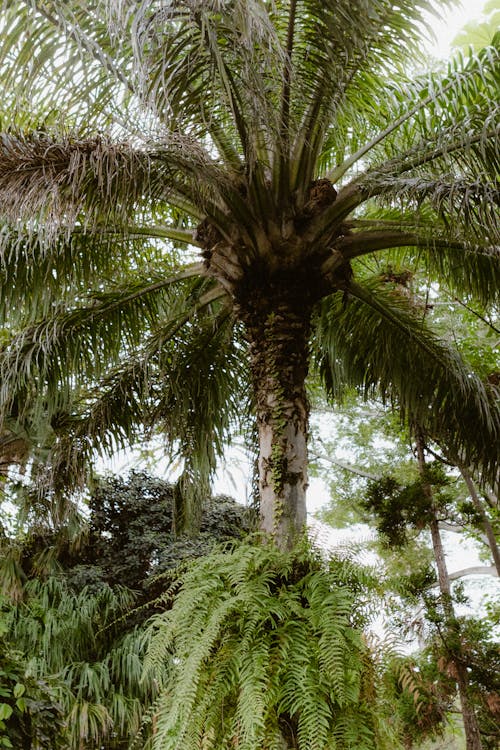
200,201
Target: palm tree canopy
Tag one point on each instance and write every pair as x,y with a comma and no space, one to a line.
283,142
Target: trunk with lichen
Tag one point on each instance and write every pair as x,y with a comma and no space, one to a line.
275,274
277,322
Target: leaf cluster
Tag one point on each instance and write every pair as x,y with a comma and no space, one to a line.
132,536
264,649
128,536
472,643
30,713
398,507
76,645
421,697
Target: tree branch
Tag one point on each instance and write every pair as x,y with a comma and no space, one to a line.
348,467
484,570
488,323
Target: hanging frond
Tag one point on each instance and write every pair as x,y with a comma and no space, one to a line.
263,648
101,688
418,239
53,273
85,341
61,57
59,179
378,343
192,389
465,210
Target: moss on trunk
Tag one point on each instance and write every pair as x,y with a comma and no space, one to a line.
278,326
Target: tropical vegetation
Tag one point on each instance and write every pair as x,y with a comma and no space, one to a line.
74,639
206,207
285,143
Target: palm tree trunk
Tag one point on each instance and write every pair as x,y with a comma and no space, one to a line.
471,726
279,357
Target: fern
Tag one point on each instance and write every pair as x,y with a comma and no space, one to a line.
264,649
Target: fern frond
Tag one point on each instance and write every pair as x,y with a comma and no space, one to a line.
263,649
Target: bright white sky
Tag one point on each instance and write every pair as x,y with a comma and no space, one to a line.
453,21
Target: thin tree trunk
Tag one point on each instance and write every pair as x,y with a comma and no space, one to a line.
471,727
488,529
279,357
491,498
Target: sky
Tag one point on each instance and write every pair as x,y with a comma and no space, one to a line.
452,23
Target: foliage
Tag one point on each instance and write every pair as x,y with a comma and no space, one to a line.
461,651
422,699
262,648
131,528
193,199
479,32
127,536
480,650
426,682
79,640
30,714
397,507
285,145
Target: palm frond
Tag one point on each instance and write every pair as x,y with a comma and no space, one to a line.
419,240
344,52
467,209
60,271
64,58
464,268
377,343
188,383
208,97
436,118
56,179
84,341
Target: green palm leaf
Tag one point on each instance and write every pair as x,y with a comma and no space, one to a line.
192,389
221,127
378,342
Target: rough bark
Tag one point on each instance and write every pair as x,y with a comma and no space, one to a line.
278,336
471,726
276,274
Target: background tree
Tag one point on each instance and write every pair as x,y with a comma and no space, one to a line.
125,535
419,505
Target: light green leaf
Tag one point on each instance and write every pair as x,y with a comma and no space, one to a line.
6,711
